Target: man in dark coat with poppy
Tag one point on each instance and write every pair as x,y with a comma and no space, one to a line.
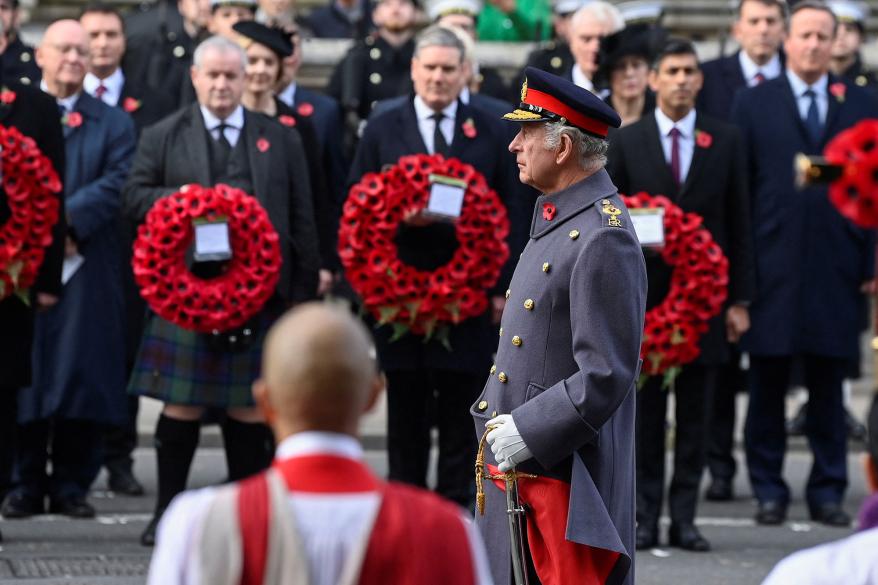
427,379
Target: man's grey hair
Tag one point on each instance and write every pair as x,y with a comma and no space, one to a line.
592,151
221,45
439,36
604,12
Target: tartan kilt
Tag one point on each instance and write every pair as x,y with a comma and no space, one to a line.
178,366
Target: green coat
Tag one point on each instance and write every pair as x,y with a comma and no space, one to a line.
531,21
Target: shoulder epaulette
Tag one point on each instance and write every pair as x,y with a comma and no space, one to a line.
610,214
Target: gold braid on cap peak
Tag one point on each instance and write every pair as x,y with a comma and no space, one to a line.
519,115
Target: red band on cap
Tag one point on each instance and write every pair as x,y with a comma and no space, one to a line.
556,106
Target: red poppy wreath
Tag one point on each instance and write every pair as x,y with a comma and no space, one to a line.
31,185
855,192
699,285
406,298
215,304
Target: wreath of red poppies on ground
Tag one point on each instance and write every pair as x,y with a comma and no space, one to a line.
206,305
699,286
855,192
408,299
31,185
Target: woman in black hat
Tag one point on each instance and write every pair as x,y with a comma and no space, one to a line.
625,69
266,47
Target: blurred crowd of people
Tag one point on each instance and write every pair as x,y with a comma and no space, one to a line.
129,108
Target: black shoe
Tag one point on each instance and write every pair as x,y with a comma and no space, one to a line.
646,536
122,481
148,536
856,430
771,513
73,506
687,537
720,490
796,425
22,505
831,514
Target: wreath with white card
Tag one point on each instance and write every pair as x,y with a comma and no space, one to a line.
225,224
399,295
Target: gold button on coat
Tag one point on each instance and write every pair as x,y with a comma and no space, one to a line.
574,234
508,292
493,369
546,266
375,53
483,405
529,304
375,79
516,341
501,332
502,377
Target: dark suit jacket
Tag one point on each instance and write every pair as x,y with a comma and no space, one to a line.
34,114
723,79
715,188
174,152
19,64
393,133
810,261
146,106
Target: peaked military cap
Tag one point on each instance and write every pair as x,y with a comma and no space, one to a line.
549,98
850,12
273,38
438,8
251,4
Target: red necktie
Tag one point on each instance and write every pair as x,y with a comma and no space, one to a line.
100,91
759,77
675,154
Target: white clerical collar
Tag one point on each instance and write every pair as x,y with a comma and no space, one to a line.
235,119
686,124
112,82
424,112
800,87
580,79
749,67
69,102
319,443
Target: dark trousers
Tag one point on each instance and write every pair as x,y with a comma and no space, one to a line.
765,434
8,436
415,401
120,442
730,380
691,388
75,447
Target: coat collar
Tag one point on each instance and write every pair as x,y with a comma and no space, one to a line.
570,201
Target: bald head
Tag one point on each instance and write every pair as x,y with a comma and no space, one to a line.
63,57
318,369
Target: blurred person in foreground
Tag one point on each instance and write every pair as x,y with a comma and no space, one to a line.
320,515
852,560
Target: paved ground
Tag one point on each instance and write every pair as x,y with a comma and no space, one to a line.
54,551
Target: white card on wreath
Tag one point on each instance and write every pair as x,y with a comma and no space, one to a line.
446,197
212,241
649,224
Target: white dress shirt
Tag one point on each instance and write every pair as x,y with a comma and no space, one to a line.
427,125
820,88
580,79
685,142
234,123
330,524
852,561
113,83
750,69
288,95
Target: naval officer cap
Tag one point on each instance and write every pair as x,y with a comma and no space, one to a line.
436,9
251,4
549,98
274,38
850,12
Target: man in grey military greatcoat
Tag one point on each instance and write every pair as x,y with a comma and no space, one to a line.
560,399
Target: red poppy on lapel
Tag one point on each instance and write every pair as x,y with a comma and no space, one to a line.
703,139
305,109
287,120
72,119
131,105
7,96
469,128
549,210
262,144
838,89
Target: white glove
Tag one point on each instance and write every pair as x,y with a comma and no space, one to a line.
506,442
